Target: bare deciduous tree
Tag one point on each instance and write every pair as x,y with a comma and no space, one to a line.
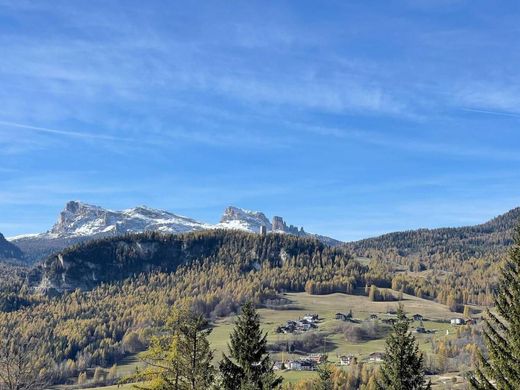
20,366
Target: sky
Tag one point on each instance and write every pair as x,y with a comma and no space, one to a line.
350,118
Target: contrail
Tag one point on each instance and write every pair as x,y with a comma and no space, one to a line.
65,132
503,113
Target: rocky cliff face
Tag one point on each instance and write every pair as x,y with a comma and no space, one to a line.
80,219
115,258
9,251
236,218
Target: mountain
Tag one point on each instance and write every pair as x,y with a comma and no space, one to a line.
9,251
491,238
79,222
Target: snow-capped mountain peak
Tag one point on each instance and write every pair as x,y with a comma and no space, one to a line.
81,219
237,218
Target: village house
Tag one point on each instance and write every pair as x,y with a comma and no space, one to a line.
417,317
311,318
302,365
343,317
318,358
376,357
347,360
457,321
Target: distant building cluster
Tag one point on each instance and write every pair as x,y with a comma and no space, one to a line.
308,322
307,363
463,321
312,361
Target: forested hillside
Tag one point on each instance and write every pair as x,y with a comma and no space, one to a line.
456,266
112,259
218,270
490,238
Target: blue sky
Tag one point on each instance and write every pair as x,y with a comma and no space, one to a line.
351,118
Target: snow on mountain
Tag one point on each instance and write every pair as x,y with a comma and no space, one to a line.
236,218
80,219
79,222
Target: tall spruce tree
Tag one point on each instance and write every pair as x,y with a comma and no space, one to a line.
324,381
403,366
248,365
501,368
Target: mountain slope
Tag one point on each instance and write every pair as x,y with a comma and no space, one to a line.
490,238
9,251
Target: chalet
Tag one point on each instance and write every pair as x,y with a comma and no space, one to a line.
376,357
303,325
417,317
277,366
342,317
308,365
302,365
347,360
311,318
457,321
318,358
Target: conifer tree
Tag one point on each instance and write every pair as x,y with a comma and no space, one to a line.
324,381
403,367
248,365
501,368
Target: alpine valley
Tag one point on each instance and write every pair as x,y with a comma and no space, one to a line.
93,292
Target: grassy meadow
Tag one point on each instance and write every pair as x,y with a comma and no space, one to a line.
326,306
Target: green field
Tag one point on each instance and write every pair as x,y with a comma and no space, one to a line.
326,306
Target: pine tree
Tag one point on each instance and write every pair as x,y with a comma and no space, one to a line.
501,369
248,365
403,367
324,381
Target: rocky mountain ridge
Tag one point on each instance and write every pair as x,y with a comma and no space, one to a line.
79,222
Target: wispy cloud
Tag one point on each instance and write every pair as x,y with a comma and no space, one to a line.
395,141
